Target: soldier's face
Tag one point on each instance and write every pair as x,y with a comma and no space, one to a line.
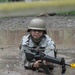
36,33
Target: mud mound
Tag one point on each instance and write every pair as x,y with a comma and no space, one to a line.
51,21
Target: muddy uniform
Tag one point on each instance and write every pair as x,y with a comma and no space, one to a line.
46,45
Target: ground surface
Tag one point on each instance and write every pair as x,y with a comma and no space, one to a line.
51,21
10,63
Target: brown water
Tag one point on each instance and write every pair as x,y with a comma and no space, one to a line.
63,37
10,39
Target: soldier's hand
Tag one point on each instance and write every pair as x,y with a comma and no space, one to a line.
37,64
47,63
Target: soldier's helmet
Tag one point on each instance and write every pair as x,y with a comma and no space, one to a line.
37,24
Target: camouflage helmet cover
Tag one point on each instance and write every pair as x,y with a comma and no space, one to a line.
37,24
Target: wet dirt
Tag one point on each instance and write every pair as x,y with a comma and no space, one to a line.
60,28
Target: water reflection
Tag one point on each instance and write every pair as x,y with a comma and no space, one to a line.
11,37
62,37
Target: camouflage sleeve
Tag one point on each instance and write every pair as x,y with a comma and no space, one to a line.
25,63
50,49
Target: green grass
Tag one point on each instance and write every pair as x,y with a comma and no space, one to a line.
23,5
69,13
32,8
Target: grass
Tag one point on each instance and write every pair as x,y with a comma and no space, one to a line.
31,8
22,5
69,13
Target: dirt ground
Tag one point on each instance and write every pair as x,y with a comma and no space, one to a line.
10,63
51,21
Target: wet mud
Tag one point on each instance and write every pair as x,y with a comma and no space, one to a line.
60,28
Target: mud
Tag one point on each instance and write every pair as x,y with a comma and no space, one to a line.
60,28
51,21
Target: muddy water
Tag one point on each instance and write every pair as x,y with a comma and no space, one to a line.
63,37
61,29
10,63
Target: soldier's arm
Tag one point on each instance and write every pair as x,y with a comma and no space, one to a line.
50,49
27,64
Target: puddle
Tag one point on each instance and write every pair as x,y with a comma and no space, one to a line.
9,51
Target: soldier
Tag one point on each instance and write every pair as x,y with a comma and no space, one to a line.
37,39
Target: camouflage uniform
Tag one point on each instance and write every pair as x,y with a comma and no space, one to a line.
46,45
27,44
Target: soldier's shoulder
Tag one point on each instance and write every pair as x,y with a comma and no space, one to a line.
25,37
47,37
49,40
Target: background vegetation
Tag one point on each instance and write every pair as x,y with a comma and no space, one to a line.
33,8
